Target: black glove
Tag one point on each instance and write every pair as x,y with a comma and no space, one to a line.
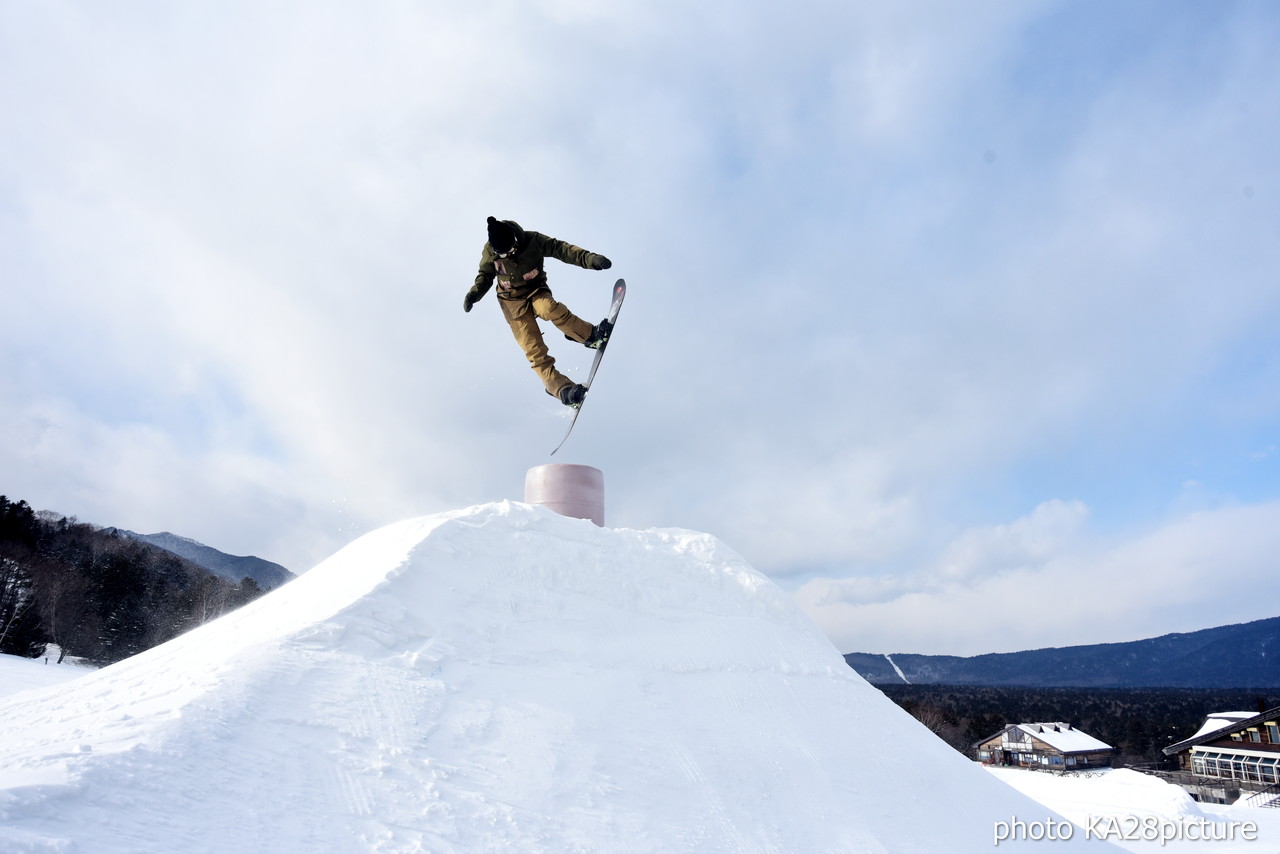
599,262
468,301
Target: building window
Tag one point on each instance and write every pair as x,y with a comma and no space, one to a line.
1258,769
1255,736
1274,731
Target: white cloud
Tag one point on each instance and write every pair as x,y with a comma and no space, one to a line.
236,240
1025,542
1184,576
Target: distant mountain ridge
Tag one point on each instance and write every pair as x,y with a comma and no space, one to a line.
234,568
1244,655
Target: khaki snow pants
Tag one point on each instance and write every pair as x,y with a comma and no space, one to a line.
523,314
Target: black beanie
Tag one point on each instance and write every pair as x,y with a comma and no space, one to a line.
502,237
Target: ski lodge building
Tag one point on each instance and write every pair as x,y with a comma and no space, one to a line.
1234,754
1051,746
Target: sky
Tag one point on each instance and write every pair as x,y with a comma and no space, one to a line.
957,320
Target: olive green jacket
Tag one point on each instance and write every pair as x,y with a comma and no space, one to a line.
520,274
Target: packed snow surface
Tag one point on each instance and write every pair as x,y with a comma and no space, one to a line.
1140,813
493,679
24,674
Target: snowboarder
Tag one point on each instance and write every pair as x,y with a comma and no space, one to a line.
515,258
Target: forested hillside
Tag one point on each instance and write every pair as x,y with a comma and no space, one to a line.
1137,722
97,595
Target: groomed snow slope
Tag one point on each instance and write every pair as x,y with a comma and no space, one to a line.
495,679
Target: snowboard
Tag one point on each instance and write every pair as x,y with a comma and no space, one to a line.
619,292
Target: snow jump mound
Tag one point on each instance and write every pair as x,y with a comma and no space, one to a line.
496,679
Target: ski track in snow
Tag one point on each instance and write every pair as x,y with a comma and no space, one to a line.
494,679
897,669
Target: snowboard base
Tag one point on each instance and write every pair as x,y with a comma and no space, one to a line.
619,293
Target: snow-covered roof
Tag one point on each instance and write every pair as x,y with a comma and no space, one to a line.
1062,736
1222,720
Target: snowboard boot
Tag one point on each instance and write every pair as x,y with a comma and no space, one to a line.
599,335
573,394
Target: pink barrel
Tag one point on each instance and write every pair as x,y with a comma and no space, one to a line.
568,489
